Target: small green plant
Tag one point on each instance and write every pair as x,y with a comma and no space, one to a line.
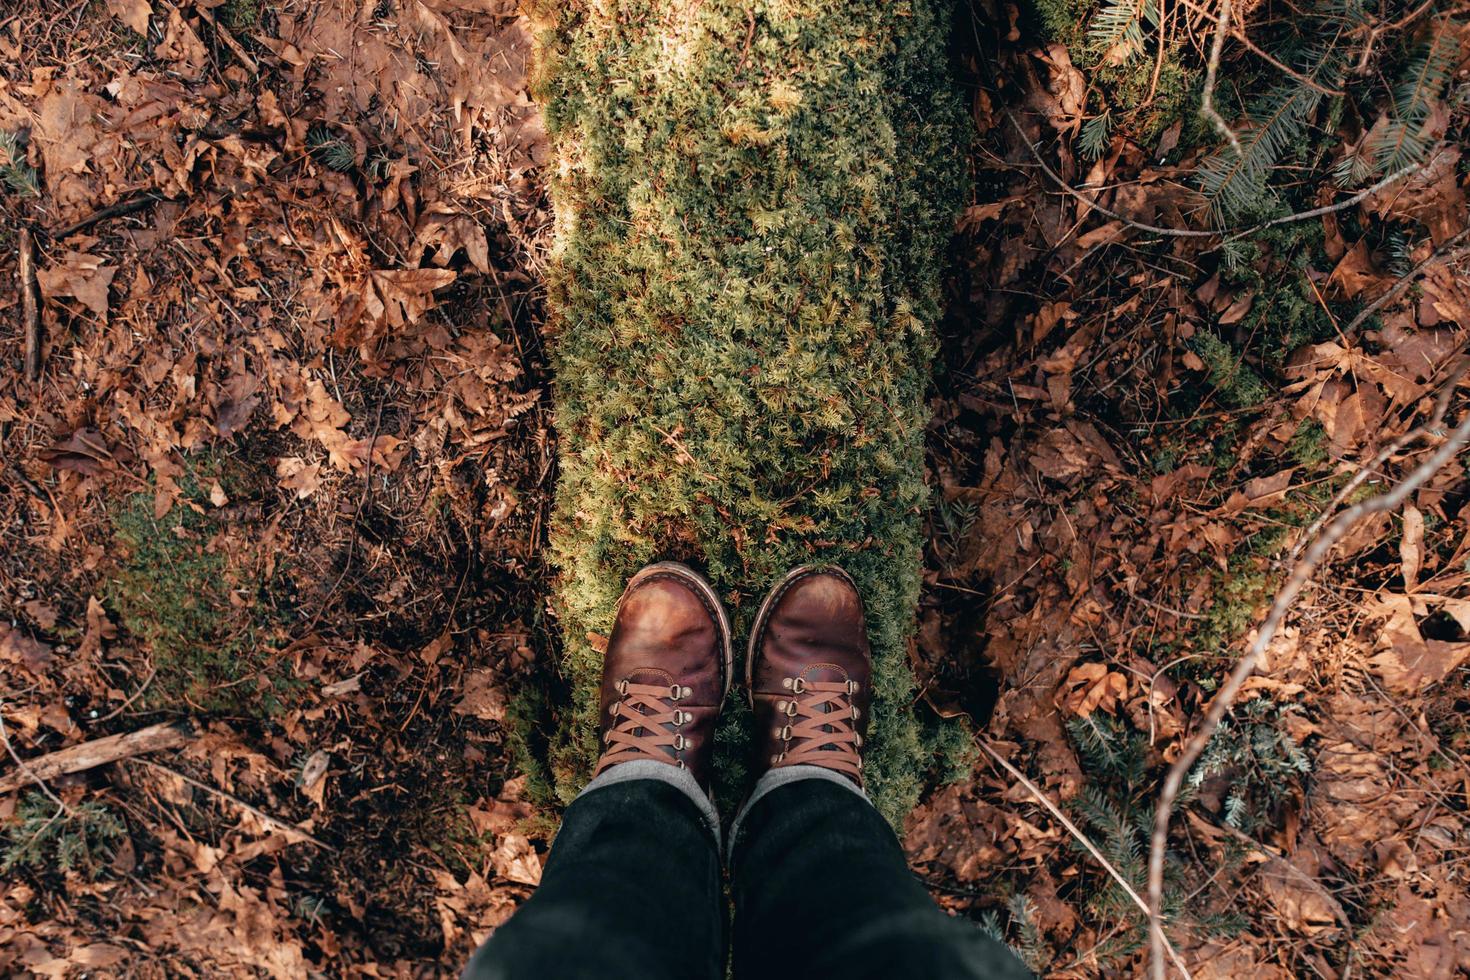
15,173
1230,376
240,15
329,149
1116,807
172,590
1029,945
1261,759
43,836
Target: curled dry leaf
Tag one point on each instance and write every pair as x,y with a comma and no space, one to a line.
1090,687
82,277
18,648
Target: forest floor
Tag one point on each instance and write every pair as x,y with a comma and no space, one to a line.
284,480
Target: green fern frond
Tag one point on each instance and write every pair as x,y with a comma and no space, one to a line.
1405,140
1235,182
1093,139
15,173
331,150
1122,20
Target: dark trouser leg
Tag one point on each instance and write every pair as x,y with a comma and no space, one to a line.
631,889
821,889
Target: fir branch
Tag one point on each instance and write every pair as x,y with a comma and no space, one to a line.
1405,139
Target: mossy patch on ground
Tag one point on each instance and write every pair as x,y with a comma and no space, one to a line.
753,203
177,590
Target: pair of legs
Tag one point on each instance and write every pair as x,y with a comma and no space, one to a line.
634,884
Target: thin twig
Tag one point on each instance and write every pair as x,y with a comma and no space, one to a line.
1326,209
229,40
1074,192
1207,97
1072,828
1456,248
1441,405
254,811
1307,80
30,303
1301,575
1229,234
117,210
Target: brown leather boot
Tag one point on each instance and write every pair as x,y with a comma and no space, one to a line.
666,671
809,672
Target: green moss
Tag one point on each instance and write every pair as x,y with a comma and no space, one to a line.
172,590
751,221
1309,445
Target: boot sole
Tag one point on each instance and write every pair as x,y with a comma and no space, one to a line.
700,584
758,628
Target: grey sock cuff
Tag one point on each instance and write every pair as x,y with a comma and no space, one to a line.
775,779
677,776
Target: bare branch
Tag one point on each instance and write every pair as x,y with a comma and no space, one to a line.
282,825
1082,839
1300,576
1207,97
1456,248
30,305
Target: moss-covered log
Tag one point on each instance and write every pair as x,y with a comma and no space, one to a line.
752,203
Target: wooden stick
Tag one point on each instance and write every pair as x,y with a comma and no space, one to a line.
30,304
99,752
1082,839
1300,578
258,813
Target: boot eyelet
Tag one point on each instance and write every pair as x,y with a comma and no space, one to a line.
675,692
790,711
623,687
798,685
785,733
855,713
679,743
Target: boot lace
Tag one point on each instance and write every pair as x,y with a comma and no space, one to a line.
818,729
638,732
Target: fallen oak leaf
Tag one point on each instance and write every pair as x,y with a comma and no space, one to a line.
133,13
404,295
18,648
80,276
84,451
1090,687
298,476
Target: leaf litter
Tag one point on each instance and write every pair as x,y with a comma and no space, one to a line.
304,350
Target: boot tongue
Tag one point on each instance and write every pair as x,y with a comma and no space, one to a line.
653,676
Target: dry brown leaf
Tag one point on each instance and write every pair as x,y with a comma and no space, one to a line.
133,13
298,476
1404,658
83,277
481,697
18,648
515,860
1090,687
